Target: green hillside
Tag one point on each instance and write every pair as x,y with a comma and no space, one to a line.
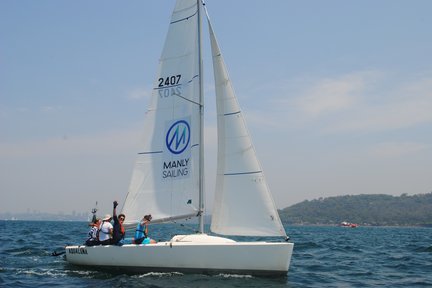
366,209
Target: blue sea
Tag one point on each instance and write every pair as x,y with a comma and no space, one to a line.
323,257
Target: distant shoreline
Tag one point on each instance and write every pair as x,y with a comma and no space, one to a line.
361,226
292,225
364,209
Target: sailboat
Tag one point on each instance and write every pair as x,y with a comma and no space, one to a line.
168,176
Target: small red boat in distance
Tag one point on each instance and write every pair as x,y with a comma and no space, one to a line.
348,224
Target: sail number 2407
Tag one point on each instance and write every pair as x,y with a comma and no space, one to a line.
169,81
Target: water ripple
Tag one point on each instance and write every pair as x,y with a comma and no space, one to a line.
323,257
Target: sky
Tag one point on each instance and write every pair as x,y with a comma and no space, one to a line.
337,96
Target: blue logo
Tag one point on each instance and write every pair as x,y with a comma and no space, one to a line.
178,137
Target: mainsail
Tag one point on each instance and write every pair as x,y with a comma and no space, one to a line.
166,176
243,204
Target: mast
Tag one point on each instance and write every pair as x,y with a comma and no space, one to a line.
201,146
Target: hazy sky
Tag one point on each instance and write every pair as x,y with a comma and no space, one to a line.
337,96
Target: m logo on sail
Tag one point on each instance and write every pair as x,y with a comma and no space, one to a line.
178,137
176,165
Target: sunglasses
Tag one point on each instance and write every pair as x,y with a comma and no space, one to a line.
121,218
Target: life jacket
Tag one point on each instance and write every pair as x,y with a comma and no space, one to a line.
140,231
118,230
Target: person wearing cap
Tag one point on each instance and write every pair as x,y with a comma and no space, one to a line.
106,230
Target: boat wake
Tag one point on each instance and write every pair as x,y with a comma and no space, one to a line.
223,275
160,274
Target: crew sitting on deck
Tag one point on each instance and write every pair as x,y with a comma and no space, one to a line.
141,233
118,229
106,231
93,238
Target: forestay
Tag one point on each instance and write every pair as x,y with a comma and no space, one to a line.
165,180
243,203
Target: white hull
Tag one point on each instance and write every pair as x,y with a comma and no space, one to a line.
191,253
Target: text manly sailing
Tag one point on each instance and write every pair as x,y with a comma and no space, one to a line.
175,168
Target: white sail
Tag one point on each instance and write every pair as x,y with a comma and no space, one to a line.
165,180
243,203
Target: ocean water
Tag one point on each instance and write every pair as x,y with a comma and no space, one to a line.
323,257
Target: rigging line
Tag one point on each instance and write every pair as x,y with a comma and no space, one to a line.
205,9
186,227
196,76
190,81
178,95
193,102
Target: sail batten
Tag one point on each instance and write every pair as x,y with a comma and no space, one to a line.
232,113
184,19
241,173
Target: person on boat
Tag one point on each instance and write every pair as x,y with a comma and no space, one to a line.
118,229
106,231
93,234
141,232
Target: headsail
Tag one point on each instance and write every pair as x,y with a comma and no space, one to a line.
243,203
165,180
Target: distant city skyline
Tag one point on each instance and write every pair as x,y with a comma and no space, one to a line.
45,216
337,96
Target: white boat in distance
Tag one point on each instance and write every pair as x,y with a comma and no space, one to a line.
168,175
